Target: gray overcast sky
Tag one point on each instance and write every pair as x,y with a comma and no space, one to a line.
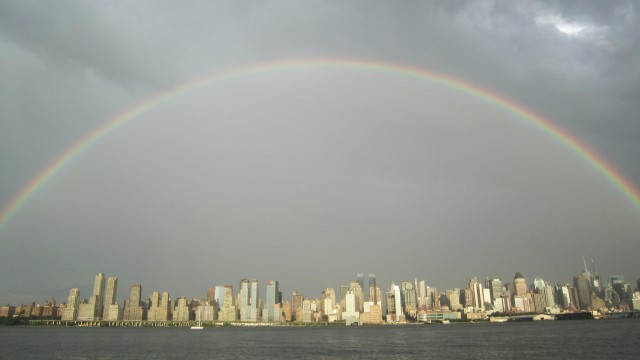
312,176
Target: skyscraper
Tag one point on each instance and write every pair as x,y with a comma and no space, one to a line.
409,299
94,309
520,284
133,309
581,282
271,299
296,305
477,294
219,295
71,311
422,295
398,303
112,310
538,283
360,280
228,310
371,286
351,314
249,310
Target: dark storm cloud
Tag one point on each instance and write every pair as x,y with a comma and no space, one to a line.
69,65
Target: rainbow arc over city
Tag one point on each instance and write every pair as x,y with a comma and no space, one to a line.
526,116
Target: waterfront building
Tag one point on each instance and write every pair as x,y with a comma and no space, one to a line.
207,311
94,309
399,315
249,307
550,297
477,294
351,315
182,312
161,307
328,305
635,301
375,311
566,297
296,306
71,310
520,303
112,311
495,285
390,303
486,295
539,301
154,306
133,308
271,301
307,313
581,282
409,305
228,310
287,311
50,309
422,295
433,298
7,311
453,299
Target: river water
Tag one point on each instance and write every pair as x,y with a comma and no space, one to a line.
586,339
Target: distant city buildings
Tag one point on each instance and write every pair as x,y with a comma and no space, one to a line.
358,301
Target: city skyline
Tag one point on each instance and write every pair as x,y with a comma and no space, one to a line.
104,292
408,302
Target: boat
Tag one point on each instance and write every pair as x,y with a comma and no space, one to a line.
198,326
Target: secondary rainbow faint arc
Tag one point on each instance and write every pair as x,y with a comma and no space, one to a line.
113,124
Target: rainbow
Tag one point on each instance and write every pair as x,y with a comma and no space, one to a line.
612,175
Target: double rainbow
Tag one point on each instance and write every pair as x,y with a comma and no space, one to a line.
613,176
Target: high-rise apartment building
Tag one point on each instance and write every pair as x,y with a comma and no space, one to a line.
112,311
182,311
70,312
453,299
94,309
160,309
228,310
477,294
296,305
249,309
422,295
271,300
398,302
409,299
133,307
